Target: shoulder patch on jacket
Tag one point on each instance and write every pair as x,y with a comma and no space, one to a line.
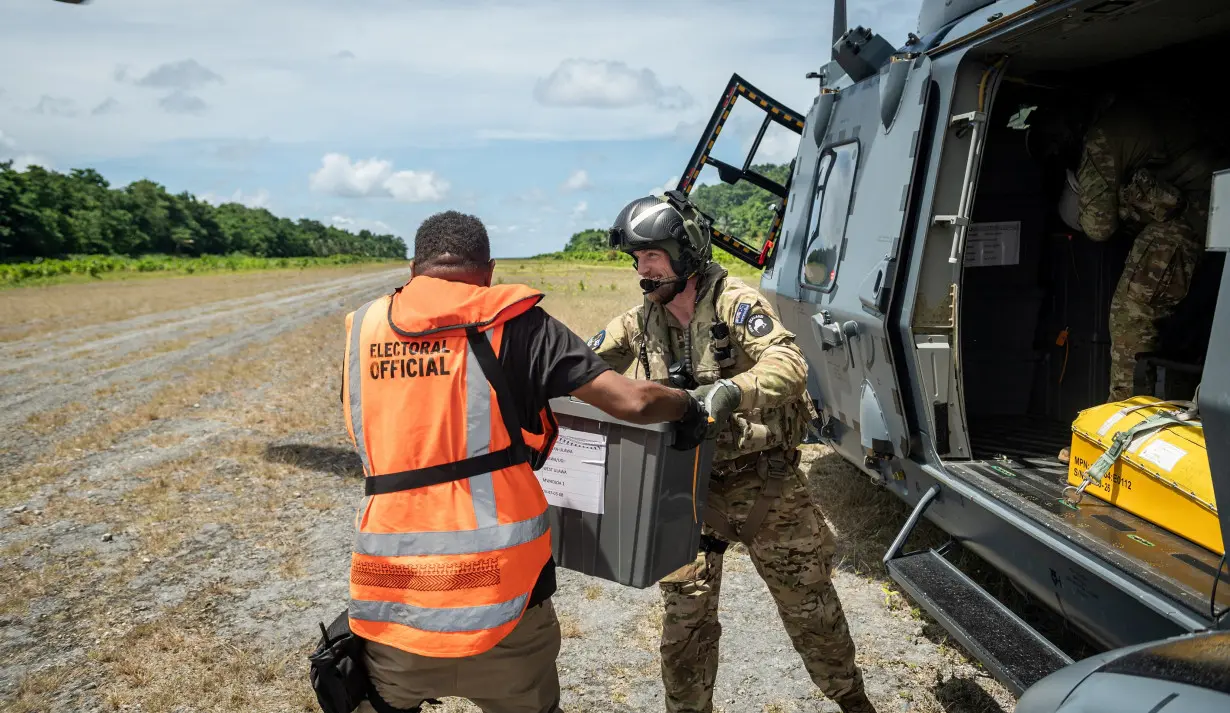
596,340
759,325
741,312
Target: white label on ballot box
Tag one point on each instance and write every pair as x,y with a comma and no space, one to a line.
575,474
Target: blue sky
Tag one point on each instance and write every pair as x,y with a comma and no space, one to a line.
541,117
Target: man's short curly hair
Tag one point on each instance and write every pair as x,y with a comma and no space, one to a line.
462,237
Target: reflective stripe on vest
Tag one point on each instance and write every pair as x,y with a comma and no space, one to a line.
422,578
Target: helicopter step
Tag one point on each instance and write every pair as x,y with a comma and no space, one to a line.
1014,653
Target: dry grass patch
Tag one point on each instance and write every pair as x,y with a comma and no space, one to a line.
166,402
15,548
863,516
46,422
292,565
648,632
320,504
36,691
107,391
23,585
176,659
569,627
132,357
31,311
584,297
166,440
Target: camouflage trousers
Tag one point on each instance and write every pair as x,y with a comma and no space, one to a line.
1156,277
792,553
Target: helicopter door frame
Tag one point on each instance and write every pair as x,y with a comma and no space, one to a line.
775,112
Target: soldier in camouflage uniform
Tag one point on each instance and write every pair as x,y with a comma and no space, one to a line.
700,326
1146,172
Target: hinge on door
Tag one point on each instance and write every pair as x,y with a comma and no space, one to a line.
952,306
942,316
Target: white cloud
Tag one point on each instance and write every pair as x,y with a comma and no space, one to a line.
24,161
185,74
354,225
179,102
267,77
578,181
532,196
259,199
417,187
580,211
241,150
606,84
107,106
373,177
55,106
670,185
775,147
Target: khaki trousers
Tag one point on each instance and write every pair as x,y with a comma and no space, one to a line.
793,554
517,676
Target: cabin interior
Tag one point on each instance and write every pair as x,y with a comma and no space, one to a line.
1034,311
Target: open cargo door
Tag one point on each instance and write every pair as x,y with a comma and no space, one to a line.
749,236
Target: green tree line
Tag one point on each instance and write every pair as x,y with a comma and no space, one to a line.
45,214
741,210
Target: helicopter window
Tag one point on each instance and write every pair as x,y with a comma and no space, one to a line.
826,226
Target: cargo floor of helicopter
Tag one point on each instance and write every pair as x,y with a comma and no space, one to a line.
1015,462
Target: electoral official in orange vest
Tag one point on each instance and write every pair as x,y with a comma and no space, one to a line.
452,534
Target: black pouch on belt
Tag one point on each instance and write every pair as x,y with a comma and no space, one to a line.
337,673
339,676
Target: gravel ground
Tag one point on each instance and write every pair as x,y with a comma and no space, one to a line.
177,515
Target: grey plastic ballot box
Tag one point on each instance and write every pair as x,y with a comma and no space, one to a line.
653,506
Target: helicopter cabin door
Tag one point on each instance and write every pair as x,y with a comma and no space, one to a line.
836,263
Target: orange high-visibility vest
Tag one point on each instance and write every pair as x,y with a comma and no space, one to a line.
453,532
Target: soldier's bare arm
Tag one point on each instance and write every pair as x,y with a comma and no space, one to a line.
1098,178
780,373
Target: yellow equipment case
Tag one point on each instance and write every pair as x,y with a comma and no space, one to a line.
1148,458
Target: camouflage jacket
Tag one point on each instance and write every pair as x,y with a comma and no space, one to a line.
1145,161
768,366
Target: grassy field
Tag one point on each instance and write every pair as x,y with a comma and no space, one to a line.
88,268
177,512
93,268
613,257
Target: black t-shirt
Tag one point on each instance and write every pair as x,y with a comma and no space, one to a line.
542,360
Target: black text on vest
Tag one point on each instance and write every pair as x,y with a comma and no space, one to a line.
419,359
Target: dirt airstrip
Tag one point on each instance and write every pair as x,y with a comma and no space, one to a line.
175,514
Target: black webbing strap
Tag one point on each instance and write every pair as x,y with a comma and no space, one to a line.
515,454
490,364
446,472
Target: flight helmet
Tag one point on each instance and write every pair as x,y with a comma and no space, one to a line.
670,223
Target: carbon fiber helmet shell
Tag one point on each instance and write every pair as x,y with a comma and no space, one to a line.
669,223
